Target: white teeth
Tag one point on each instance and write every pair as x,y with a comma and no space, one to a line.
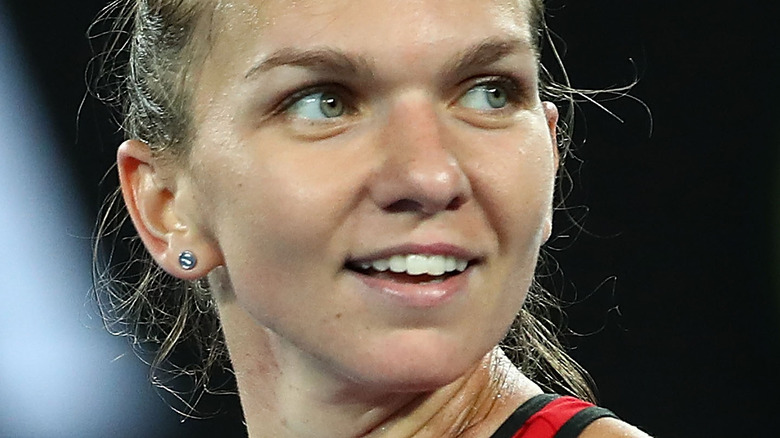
381,265
418,264
398,263
450,264
436,265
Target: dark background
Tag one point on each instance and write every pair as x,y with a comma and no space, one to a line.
676,270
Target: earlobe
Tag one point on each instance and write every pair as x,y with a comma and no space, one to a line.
151,199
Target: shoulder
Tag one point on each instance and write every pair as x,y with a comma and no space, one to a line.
552,415
611,428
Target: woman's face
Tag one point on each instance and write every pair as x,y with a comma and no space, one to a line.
339,141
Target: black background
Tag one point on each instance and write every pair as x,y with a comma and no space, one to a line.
676,271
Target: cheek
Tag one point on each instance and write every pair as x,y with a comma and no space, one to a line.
289,204
514,187
277,221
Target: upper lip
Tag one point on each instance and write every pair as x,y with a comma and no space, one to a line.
444,249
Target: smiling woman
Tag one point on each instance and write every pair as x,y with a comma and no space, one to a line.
360,219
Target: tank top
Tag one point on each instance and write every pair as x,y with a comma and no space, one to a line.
551,416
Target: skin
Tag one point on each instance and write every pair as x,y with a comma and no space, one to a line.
274,202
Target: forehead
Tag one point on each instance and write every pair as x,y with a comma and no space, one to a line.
381,27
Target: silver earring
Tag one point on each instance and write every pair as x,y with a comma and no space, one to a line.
187,260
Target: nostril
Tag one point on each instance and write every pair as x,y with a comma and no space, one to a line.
410,205
456,203
404,205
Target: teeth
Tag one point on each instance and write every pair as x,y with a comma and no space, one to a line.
398,263
450,264
418,264
381,265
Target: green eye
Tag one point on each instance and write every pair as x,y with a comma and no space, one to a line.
318,106
331,105
485,97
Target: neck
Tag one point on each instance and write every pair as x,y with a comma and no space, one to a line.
292,401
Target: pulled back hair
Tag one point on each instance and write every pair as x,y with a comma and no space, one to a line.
147,74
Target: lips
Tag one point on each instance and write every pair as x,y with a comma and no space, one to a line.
416,276
415,260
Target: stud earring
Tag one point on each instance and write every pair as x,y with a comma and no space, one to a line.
187,260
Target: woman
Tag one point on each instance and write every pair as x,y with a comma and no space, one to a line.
365,186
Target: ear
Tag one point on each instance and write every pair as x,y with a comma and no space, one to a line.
158,209
551,116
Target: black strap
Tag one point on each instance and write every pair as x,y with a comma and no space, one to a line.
577,423
522,414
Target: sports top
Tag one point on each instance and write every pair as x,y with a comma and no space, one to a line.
551,416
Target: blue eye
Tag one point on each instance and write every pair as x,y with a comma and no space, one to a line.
485,97
318,106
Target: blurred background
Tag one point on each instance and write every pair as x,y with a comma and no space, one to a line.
674,275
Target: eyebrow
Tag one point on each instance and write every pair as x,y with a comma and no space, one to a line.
486,52
321,59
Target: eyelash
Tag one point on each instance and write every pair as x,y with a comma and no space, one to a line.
516,92
288,102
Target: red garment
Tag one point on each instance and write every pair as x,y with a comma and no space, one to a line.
549,420
551,416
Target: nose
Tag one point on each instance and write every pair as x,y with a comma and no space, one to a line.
420,172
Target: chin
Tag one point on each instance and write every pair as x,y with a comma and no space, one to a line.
415,364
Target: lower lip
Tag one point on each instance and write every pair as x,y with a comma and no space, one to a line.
419,295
